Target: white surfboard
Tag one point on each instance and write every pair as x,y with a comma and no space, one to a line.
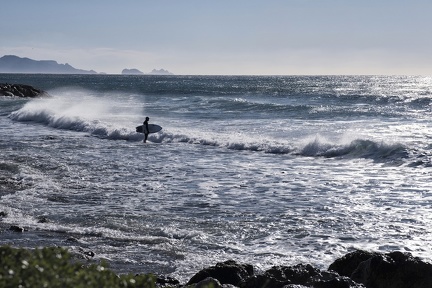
153,128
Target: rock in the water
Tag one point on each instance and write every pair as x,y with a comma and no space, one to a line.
15,228
42,219
229,272
20,90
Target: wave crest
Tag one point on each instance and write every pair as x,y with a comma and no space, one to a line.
85,118
359,148
60,116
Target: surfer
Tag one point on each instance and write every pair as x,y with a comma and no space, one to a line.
146,129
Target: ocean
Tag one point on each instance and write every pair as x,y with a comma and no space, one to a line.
265,170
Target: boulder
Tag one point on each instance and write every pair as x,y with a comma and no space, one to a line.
15,228
228,272
395,270
165,281
211,283
347,264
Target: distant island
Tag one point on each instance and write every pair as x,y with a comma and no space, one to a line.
15,64
131,72
160,72
153,72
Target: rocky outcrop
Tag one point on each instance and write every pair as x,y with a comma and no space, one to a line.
299,276
394,269
354,270
233,274
347,264
20,90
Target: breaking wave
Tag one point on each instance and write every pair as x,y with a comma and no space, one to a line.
94,118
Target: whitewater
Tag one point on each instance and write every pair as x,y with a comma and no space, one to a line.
266,170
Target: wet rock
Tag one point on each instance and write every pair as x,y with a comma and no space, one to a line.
165,281
3,214
89,253
15,228
347,264
72,239
395,270
42,219
208,282
229,272
299,276
20,90
280,276
337,282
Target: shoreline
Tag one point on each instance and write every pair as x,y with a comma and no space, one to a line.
355,269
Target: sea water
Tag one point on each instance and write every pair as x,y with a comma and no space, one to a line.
263,170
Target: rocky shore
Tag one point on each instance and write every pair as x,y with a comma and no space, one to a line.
20,90
354,270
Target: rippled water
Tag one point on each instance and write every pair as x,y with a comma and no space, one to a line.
263,170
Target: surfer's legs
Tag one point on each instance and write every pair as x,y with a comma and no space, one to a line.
145,138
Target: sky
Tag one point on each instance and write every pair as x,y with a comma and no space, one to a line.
224,37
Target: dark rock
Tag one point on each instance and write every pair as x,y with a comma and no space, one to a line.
395,270
346,265
16,229
298,276
42,219
20,90
208,282
338,282
229,272
280,276
262,281
72,239
89,253
163,281
3,214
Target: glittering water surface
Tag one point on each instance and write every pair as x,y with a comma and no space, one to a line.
263,170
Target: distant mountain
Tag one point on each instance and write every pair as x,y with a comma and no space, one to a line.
131,72
160,72
15,64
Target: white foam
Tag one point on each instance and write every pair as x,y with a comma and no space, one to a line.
78,112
